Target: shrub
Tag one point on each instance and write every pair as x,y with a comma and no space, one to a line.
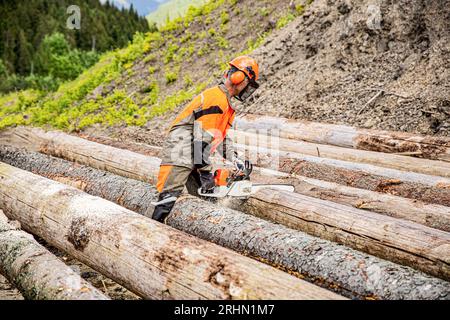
299,9
222,42
188,81
212,32
224,17
282,22
171,76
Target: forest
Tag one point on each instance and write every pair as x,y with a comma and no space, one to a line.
38,50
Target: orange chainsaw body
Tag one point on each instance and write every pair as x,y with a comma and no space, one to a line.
221,177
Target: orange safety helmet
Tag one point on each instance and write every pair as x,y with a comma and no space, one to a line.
248,66
244,67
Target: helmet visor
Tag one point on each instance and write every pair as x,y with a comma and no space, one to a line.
248,91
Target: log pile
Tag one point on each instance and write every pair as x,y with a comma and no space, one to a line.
148,258
404,143
361,223
397,162
293,251
36,272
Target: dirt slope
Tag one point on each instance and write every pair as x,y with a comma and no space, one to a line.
327,64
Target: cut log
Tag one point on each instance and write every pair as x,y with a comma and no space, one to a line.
430,189
385,160
435,216
149,258
436,148
400,241
411,185
360,276
141,148
323,261
132,194
36,272
79,150
431,215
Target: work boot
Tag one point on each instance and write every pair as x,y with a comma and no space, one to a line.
166,201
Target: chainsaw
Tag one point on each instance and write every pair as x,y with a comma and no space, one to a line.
236,183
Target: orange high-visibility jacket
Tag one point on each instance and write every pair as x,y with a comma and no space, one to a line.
206,119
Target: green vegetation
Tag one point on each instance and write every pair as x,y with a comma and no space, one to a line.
170,53
264,12
172,101
300,9
56,62
171,76
188,81
282,22
59,109
212,32
101,94
172,10
37,50
224,17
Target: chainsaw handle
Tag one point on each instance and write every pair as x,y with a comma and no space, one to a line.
248,168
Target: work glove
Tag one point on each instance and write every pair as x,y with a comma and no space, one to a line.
207,180
238,163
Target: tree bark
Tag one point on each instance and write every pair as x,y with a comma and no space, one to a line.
82,151
411,185
36,272
318,260
149,258
400,241
386,160
322,261
137,199
137,147
430,189
436,148
431,215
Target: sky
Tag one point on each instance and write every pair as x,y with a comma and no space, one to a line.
143,7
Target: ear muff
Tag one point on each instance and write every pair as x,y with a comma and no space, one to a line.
237,77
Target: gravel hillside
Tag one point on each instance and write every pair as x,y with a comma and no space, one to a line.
329,63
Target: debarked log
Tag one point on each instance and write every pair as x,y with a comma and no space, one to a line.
133,165
346,269
60,144
400,241
427,214
430,147
350,272
427,188
85,178
385,160
147,257
35,271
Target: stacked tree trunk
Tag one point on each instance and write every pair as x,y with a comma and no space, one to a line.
275,244
428,214
398,162
76,149
393,207
427,188
404,143
147,257
415,255
36,272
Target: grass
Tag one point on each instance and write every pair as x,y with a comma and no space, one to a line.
74,106
172,9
